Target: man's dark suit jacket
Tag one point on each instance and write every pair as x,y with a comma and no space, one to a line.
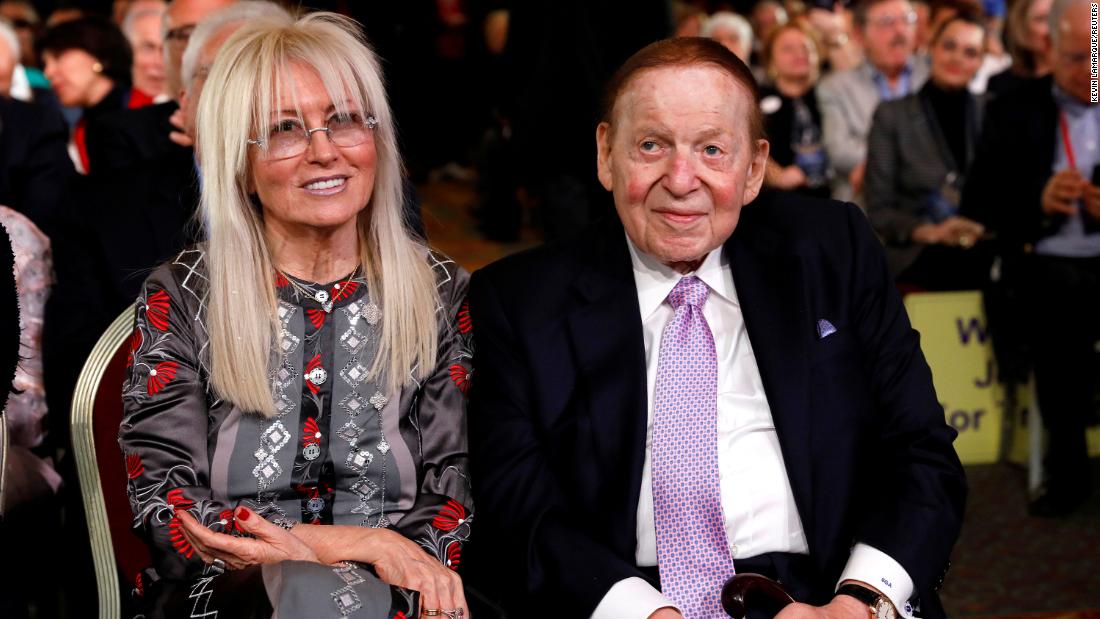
559,405
1013,164
127,137
35,168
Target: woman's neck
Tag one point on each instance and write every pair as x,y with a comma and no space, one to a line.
98,91
792,86
312,254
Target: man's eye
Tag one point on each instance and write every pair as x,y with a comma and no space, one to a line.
712,151
649,146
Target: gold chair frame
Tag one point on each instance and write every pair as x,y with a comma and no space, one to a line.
91,487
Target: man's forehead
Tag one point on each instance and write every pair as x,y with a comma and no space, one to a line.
183,12
667,87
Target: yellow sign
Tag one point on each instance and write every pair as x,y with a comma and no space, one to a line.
955,341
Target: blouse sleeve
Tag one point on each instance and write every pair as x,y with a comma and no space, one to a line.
440,518
165,426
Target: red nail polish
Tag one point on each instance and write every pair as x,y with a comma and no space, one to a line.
243,514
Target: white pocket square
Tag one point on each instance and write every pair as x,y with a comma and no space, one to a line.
824,329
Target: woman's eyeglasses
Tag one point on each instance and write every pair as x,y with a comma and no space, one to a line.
290,138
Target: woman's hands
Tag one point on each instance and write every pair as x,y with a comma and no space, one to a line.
272,543
956,231
402,562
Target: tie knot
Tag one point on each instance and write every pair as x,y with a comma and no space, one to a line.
689,291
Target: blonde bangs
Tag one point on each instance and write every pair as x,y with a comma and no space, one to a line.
242,308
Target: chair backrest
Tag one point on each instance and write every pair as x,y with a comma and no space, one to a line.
96,414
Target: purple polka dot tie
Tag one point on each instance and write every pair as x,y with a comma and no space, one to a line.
692,551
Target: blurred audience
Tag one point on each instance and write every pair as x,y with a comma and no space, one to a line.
887,30
1027,31
797,158
1034,183
731,30
833,27
142,26
919,150
88,62
767,15
26,22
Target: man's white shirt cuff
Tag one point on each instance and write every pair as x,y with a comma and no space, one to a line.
631,598
878,569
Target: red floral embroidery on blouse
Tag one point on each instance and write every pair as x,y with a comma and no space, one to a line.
156,309
135,343
314,363
177,499
465,323
230,520
280,280
311,434
139,586
343,292
161,375
316,317
399,615
134,467
461,378
454,552
450,516
179,540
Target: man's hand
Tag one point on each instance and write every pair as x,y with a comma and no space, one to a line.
180,135
955,231
272,543
1091,197
855,177
1061,191
842,607
666,613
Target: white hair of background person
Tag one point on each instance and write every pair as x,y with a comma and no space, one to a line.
244,11
733,21
138,11
241,318
20,86
1055,21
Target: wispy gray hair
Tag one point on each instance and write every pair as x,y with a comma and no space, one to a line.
244,11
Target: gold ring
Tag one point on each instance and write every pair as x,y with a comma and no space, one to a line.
966,240
432,612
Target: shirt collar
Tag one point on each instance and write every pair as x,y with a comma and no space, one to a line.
655,280
1069,104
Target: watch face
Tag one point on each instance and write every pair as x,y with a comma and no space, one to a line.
884,609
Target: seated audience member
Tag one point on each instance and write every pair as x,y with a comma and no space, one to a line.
918,154
35,168
129,136
30,506
1028,34
87,61
739,374
766,16
335,343
832,23
732,31
142,26
848,99
797,159
688,19
1033,183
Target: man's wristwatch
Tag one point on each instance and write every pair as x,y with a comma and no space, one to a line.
881,607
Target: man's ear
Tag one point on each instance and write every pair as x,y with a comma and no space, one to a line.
758,166
603,154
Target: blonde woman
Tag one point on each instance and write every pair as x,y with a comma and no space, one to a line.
308,364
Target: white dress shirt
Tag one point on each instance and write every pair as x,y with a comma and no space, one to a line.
757,502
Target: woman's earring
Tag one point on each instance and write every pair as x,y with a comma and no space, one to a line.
97,67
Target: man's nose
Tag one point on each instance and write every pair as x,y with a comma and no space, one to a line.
681,178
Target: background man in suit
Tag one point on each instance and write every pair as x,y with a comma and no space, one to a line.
887,29
1047,218
702,387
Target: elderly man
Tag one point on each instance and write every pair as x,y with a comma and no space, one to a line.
142,26
700,387
127,137
1034,183
887,30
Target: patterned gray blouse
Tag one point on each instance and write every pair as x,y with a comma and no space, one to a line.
340,450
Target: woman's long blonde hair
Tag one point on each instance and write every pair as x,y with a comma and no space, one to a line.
241,93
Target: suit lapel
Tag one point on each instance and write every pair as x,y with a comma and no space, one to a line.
771,292
605,332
